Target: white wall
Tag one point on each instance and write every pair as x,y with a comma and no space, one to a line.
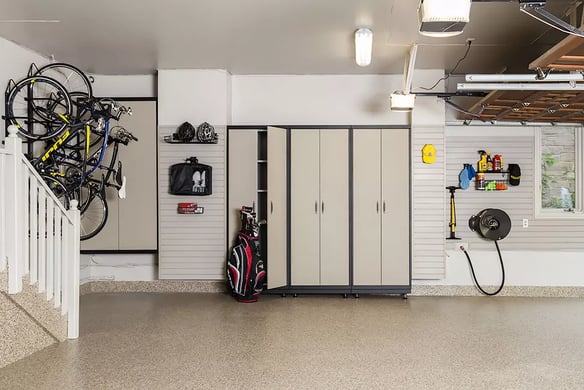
319,99
196,96
192,246
522,268
531,255
120,267
124,86
14,65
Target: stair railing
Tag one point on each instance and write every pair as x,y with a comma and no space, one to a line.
39,237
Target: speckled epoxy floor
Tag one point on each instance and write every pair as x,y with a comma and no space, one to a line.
209,341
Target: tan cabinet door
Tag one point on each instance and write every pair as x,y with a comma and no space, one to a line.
366,207
305,207
138,212
132,222
396,207
243,167
109,237
334,207
277,210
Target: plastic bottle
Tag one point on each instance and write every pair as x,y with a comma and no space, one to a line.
489,162
497,163
482,164
481,182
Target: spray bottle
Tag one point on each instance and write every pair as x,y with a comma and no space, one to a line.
497,166
482,164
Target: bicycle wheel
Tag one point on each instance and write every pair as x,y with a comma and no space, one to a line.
70,77
58,189
39,107
93,213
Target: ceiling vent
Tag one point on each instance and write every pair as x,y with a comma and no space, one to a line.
443,18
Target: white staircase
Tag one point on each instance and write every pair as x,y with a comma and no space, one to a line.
39,258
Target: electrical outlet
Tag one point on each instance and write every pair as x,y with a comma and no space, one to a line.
454,245
525,223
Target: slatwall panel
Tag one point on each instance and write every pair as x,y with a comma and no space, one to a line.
518,202
192,246
428,207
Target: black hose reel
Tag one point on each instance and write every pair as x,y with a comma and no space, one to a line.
492,224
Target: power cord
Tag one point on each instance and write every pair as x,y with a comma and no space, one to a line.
475,278
469,42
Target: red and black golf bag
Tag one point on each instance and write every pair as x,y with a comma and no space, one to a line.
246,274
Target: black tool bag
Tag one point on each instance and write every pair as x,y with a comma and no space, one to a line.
246,274
190,178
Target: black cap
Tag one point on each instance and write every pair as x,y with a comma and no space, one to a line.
514,174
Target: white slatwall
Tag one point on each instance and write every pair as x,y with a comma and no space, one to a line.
518,202
428,208
191,246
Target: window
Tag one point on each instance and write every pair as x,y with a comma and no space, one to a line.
559,172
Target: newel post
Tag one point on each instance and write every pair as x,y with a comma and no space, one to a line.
14,202
73,282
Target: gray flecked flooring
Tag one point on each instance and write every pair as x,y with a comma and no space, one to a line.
209,341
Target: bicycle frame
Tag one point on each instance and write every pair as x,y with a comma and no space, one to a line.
54,150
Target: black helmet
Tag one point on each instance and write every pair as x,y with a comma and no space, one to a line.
185,132
205,132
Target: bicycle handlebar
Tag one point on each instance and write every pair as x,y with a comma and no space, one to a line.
105,108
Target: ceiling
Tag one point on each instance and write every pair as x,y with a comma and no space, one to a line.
528,107
269,37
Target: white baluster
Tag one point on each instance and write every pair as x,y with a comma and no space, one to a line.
50,247
33,225
42,271
25,219
66,265
58,258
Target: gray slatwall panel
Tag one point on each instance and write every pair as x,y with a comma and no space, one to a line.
427,205
518,202
191,246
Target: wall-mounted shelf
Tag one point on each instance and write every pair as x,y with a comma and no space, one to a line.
491,172
490,184
169,140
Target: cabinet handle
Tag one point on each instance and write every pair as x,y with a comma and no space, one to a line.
377,207
271,207
323,207
383,207
315,207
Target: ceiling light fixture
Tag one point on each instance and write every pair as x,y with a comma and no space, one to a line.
500,78
571,86
363,46
443,18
